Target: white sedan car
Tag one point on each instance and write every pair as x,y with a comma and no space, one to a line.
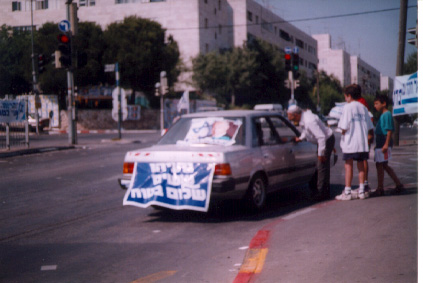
239,154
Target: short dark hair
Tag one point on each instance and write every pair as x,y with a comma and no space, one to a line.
382,98
354,90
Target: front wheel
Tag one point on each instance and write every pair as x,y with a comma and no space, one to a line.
256,194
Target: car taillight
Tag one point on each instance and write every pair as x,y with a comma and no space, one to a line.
223,169
128,168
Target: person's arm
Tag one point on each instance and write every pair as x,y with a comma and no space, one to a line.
370,137
388,138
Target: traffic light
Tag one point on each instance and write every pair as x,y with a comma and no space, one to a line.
65,56
296,66
42,61
295,62
287,62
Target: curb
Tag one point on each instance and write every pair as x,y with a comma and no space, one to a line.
33,151
59,132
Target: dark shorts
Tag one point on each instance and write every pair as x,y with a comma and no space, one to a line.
358,156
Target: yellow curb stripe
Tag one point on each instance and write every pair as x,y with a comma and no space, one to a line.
254,261
155,277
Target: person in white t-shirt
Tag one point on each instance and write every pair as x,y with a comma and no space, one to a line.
357,133
315,131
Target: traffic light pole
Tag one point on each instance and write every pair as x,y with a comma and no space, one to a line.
34,75
71,98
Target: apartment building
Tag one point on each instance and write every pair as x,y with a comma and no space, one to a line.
364,75
199,26
334,62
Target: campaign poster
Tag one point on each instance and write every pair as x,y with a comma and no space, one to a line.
212,130
12,111
405,94
175,185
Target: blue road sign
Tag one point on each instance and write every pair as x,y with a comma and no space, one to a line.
64,26
296,50
288,50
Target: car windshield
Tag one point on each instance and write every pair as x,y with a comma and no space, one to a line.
223,131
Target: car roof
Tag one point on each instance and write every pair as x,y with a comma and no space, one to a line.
230,113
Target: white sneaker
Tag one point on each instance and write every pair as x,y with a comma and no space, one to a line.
344,196
363,195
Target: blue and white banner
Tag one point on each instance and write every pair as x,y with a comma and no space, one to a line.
405,95
174,185
12,111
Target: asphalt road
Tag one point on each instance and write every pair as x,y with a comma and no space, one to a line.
63,221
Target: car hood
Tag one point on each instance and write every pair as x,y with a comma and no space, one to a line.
183,153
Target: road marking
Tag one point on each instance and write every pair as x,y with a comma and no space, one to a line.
301,212
48,267
243,248
155,277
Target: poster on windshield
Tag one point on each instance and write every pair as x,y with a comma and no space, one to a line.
174,185
12,111
405,95
213,130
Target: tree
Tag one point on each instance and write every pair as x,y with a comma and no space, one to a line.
139,46
15,61
330,91
410,66
250,74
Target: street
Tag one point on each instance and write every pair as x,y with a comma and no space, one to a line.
63,221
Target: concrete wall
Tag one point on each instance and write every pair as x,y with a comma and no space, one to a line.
102,120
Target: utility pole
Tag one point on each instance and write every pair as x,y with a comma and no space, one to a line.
34,74
71,92
400,56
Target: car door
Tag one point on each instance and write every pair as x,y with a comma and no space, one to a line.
277,156
304,152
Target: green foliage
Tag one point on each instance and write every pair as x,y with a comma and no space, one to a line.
249,75
139,47
15,62
410,66
330,91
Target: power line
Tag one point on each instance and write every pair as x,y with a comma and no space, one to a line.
296,20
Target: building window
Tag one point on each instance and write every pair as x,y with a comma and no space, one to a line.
219,5
83,3
265,25
207,47
249,16
16,6
284,35
220,29
41,5
206,23
299,43
205,1
257,19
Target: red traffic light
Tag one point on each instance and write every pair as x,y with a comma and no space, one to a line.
63,38
287,56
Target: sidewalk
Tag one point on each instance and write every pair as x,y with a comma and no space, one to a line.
58,140
371,240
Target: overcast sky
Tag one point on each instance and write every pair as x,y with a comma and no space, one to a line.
372,36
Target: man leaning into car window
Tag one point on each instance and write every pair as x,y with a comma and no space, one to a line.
315,131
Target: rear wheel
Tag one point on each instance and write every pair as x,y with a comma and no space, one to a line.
256,194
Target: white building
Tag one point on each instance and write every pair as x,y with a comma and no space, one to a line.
386,83
199,26
364,75
334,62
349,69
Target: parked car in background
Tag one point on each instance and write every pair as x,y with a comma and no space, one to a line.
42,122
249,153
269,107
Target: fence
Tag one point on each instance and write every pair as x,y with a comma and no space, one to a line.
14,129
13,135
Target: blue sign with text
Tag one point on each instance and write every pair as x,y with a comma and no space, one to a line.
176,185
